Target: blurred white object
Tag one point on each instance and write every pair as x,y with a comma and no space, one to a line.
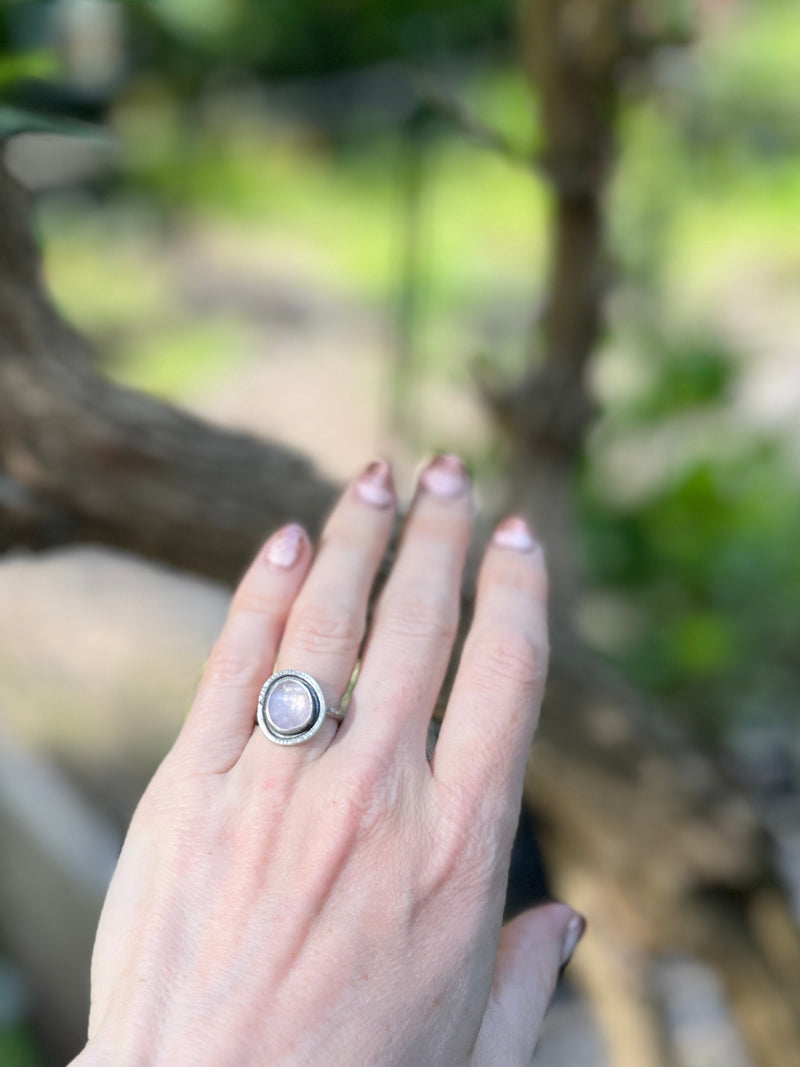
52,160
90,38
58,855
700,1027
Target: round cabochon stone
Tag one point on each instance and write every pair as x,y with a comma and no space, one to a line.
290,706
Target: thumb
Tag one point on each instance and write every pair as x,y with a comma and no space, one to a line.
533,949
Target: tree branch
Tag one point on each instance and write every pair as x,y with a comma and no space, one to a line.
84,459
455,111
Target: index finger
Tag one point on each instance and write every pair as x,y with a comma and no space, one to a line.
494,705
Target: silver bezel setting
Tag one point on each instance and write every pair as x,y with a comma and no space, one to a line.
317,696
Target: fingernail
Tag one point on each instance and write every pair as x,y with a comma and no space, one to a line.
574,932
283,548
445,476
375,486
515,533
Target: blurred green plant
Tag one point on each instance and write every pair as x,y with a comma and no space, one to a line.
708,569
701,563
19,1048
290,38
15,67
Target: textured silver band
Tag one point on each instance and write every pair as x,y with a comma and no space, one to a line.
291,693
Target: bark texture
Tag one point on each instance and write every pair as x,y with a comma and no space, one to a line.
84,459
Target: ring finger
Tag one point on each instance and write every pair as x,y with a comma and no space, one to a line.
326,623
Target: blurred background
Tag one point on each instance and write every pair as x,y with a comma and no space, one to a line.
561,237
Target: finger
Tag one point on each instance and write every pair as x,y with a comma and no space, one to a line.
533,949
220,721
325,628
494,705
415,621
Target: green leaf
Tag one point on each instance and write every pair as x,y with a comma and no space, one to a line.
14,68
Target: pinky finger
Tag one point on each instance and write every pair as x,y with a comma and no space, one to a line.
494,705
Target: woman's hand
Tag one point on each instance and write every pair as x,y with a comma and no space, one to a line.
340,901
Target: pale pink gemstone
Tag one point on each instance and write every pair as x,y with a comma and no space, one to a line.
290,706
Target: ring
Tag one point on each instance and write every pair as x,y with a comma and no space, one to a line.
291,707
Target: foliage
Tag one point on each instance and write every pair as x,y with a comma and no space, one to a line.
709,577
19,1048
698,560
13,68
289,38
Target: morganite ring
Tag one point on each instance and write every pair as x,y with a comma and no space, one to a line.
291,707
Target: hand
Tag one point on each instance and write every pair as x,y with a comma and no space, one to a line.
340,901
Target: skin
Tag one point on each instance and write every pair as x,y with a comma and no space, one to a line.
340,901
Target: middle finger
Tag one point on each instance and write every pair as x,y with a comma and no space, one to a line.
416,619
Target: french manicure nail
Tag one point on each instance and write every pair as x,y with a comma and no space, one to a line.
375,486
445,476
515,533
574,932
283,549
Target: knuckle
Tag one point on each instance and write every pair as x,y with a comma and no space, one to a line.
342,539
419,615
173,798
361,798
515,656
463,852
232,667
325,628
457,816
252,597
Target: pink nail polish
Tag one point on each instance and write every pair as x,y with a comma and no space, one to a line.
516,534
283,548
445,476
576,928
375,486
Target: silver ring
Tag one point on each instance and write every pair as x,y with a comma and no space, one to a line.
291,707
